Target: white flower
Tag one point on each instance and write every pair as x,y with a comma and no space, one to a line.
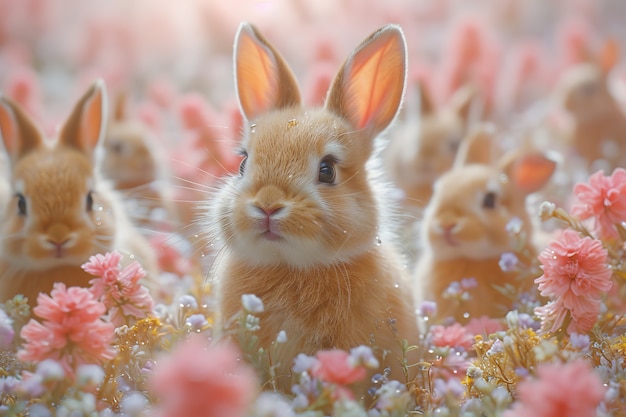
270,404
188,301
282,337
252,303
546,210
50,370
134,404
89,375
362,355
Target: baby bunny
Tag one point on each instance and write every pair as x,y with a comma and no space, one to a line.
419,153
300,223
464,226
132,160
597,134
59,213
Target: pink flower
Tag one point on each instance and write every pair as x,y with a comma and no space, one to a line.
561,390
336,367
199,381
451,336
575,275
119,289
603,199
574,265
72,331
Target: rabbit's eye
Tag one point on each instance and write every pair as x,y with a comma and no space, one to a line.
89,201
490,200
21,204
327,171
242,164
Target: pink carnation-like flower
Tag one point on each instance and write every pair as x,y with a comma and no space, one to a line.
575,274
561,390
454,335
603,199
72,331
199,381
335,366
119,289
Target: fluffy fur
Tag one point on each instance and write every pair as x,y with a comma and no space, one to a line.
60,213
464,227
598,130
421,152
310,249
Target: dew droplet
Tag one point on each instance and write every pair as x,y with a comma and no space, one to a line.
378,241
466,315
396,285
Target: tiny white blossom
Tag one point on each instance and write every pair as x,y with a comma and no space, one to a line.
50,370
282,337
252,303
89,375
134,404
362,355
546,210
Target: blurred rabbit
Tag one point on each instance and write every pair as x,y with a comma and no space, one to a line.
464,230
133,161
597,133
415,160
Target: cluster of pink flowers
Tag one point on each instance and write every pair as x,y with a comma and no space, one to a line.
196,381
561,390
72,331
603,200
119,289
575,275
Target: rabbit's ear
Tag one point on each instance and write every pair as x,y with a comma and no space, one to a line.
478,147
85,127
609,55
263,80
19,133
119,109
368,89
528,171
465,103
426,101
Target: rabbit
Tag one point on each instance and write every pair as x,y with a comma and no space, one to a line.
300,222
132,161
597,134
416,159
464,229
60,213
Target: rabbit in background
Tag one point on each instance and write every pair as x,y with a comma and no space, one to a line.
60,212
420,152
596,132
300,223
133,160
464,230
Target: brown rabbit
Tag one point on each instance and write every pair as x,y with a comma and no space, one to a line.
464,226
597,134
132,161
415,159
300,224
60,212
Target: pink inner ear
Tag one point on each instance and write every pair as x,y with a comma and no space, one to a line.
532,172
257,82
91,120
7,126
374,82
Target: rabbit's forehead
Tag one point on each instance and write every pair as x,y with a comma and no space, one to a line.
48,173
470,180
294,138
